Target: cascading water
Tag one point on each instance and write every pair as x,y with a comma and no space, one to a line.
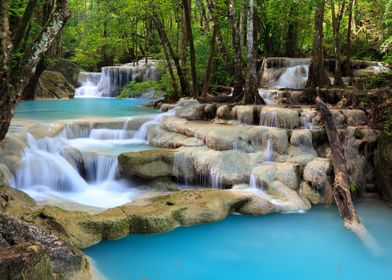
294,77
112,79
143,130
80,164
269,118
269,150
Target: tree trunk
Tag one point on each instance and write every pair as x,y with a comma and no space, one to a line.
210,62
13,81
348,39
29,90
165,41
187,14
341,190
22,27
251,94
317,75
238,75
336,20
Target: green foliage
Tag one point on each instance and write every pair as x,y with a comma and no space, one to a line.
358,134
354,187
379,80
133,89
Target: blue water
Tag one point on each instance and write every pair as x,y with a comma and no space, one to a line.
314,245
49,110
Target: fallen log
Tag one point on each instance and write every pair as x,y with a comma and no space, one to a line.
341,190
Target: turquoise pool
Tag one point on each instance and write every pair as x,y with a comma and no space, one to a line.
314,245
49,110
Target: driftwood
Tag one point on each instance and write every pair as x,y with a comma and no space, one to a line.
341,190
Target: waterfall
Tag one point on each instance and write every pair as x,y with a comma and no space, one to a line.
69,167
106,134
269,118
216,179
307,121
285,73
268,96
43,165
269,150
100,168
143,130
111,79
253,182
294,77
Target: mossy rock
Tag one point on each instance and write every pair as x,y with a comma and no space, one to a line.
53,85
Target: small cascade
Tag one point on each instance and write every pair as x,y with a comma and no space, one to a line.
143,130
307,119
269,152
100,168
43,165
112,79
283,72
216,180
74,130
69,167
253,182
268,96
107,134
294,77
269,118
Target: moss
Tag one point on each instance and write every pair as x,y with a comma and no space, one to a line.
358,134
178,214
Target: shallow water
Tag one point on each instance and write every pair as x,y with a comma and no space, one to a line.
49,110
314,245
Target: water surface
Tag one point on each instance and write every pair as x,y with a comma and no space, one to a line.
314,245
49,110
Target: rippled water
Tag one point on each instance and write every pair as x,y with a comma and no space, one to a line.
48,110
314,245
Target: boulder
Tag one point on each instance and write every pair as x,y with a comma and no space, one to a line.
53,85
309,193
69,70
317,172
149,164
14,201
285,173
189,109
38,253
245,114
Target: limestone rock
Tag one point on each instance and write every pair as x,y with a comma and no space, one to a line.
311,194
148,164
165,139
245,114
65,262
285,173
25,261
69,70
279,117
14,201
317,171
224,112
54,85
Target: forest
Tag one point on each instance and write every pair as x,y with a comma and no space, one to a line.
137,119
206,43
